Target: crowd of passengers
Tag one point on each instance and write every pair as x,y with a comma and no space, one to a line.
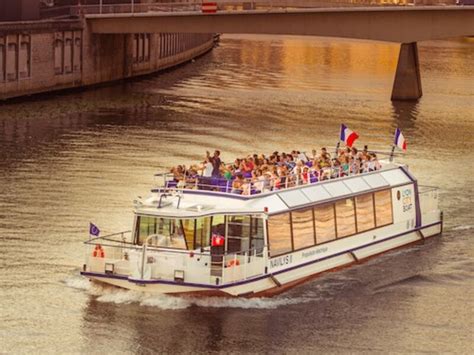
260,173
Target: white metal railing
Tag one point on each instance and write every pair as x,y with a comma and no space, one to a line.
425,189
255,185
230,266
429,198
243,265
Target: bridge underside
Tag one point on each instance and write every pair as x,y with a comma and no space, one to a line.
404,25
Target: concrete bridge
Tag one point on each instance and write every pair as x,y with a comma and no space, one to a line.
400,24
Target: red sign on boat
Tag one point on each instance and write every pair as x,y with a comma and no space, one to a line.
217,240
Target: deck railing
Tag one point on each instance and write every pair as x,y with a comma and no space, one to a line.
228,266
426,189
118,240
252,185
133,7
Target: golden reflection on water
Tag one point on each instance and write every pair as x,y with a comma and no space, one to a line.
295,57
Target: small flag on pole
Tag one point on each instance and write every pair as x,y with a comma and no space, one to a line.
400,141
94,230
348,136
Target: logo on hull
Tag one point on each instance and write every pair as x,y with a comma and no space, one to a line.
406,200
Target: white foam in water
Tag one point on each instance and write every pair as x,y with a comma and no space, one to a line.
120,296
80,283
177,302
461,228
247,303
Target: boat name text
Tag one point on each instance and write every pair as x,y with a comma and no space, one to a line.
282,260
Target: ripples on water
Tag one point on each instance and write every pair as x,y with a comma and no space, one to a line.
69,159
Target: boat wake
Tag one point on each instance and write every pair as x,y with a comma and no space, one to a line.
462,228
109,294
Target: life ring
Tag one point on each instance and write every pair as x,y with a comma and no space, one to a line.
98,251
233,262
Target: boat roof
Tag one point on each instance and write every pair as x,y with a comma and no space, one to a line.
187,203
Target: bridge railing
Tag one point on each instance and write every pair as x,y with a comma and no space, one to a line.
222,5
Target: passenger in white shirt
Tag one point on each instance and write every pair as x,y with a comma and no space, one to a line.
207,168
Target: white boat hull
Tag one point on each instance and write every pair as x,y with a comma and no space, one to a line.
285,276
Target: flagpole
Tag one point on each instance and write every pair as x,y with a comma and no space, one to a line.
392,153
339,140
337,149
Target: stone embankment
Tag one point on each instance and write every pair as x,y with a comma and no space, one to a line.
49,55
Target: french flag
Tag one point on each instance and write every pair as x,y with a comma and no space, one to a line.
348,136
400,141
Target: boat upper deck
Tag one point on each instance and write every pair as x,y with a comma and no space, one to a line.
191,203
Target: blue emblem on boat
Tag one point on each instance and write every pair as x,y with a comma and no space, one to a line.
94,230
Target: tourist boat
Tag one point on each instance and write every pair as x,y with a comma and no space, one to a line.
213,242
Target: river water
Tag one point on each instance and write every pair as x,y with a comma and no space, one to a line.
67,159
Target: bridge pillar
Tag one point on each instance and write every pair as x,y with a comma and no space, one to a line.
407,83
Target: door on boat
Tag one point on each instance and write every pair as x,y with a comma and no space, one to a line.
217,244
244,253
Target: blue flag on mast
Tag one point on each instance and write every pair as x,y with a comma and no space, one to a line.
94,230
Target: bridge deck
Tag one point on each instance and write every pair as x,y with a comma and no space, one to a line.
401,24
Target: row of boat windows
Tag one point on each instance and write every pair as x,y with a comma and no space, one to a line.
287,232
243,232
305,228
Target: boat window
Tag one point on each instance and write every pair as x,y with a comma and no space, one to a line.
189,225
257,240
345,217
218,225
325,224
383,207
203,233
279,234
238,234
146,226
303,228
166,232
365,212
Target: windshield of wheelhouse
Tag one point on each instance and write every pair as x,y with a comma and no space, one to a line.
196,234
163,232
176,233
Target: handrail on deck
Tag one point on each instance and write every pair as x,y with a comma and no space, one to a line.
423,189
254,186
107,237
135,7
167,250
